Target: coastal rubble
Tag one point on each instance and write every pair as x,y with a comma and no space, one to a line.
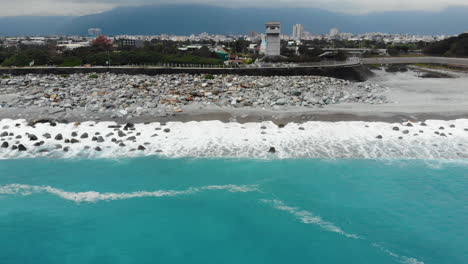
136,95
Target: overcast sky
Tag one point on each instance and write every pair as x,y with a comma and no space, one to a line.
82,7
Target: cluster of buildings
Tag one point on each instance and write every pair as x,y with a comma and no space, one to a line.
269,40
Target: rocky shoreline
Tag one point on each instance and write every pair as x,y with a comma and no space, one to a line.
126,97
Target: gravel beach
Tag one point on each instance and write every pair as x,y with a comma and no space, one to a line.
388,97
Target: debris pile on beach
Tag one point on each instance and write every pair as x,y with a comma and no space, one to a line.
134,95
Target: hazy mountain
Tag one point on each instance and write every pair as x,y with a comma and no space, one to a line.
32,25
187,19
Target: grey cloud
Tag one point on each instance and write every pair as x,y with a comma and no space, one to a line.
80,7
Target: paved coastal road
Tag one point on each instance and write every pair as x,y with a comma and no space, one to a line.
408,60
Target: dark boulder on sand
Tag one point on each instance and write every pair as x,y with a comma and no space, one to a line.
272,150
5,145
59,137
141,147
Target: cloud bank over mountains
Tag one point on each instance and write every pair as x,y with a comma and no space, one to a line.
83,7
187,19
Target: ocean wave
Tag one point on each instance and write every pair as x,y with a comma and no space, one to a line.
435,140
93,196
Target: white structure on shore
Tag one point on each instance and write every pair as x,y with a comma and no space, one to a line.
298,32
273,41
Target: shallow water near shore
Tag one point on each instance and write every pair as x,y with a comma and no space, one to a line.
153,210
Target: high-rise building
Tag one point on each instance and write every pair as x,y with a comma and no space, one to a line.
298,32
273,41
94,32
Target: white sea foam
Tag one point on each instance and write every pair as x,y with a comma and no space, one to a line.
307,217
402,259
217,139
93,196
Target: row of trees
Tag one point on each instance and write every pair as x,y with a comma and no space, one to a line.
101,51
452,47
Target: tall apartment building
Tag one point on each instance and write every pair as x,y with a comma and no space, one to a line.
298,32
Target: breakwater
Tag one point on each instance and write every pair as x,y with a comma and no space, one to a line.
352,72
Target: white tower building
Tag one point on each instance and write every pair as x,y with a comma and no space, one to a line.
273,41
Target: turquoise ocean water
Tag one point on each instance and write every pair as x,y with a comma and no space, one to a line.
151,210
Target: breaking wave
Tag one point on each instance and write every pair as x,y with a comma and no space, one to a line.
435,140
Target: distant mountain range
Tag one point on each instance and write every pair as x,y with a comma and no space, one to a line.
188,19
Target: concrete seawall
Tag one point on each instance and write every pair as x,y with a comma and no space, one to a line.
353,72
463,62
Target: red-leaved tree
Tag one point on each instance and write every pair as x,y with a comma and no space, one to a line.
102,43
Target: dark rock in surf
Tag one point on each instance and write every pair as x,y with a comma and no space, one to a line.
128,126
